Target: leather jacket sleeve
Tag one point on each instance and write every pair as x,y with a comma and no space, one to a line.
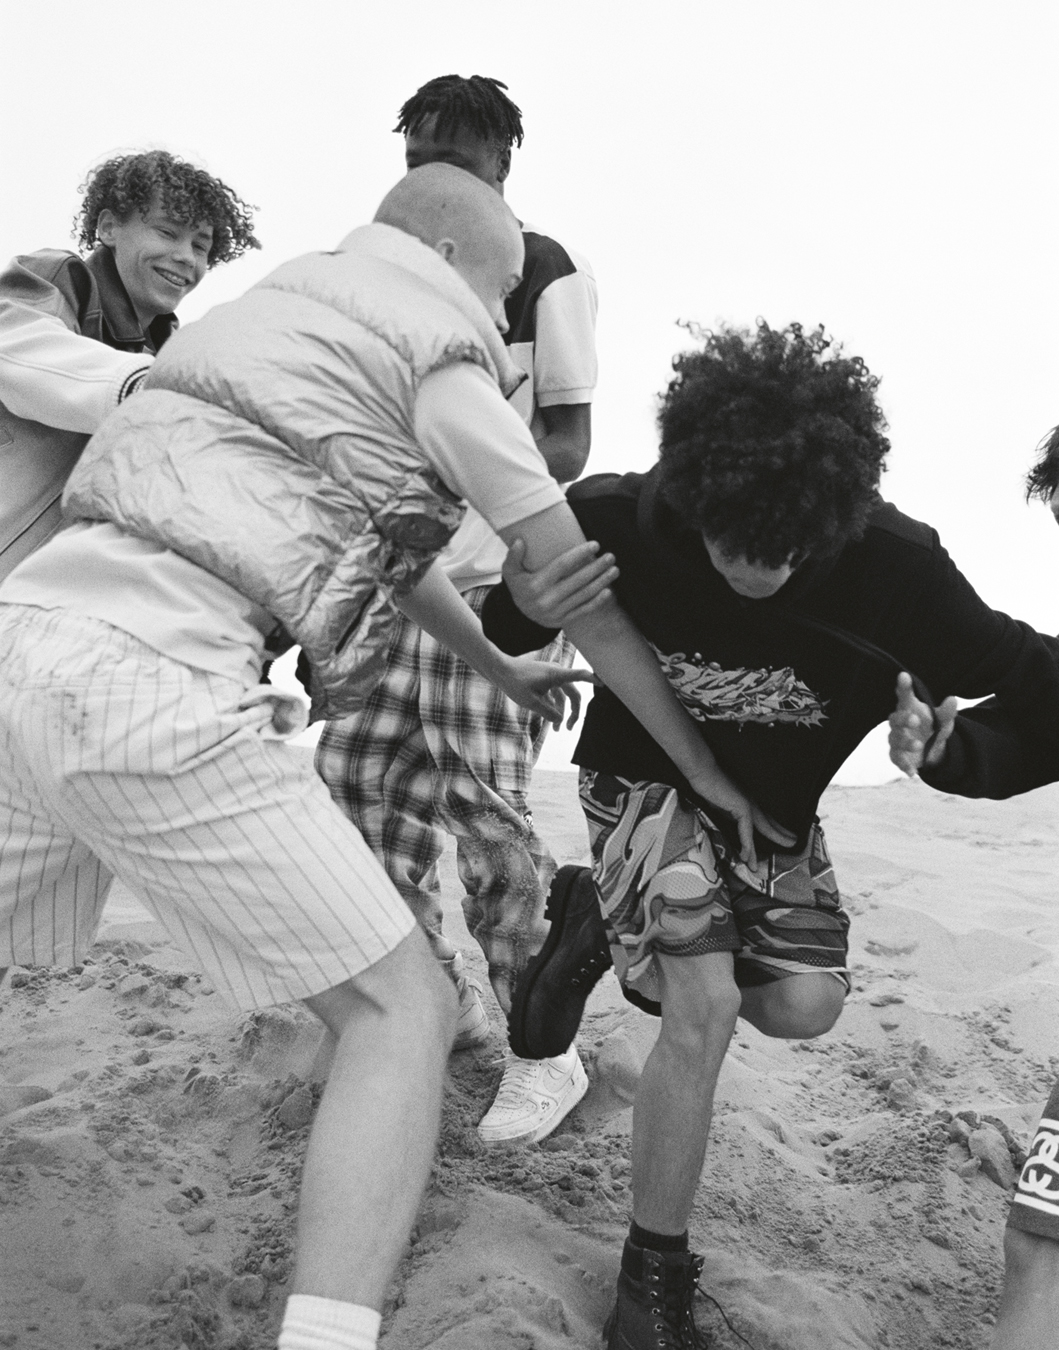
49,372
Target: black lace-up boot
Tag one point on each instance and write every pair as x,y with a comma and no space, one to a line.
655,1292
550,996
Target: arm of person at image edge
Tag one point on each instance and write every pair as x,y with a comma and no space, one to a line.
465,427
565,372
50,372
1008,744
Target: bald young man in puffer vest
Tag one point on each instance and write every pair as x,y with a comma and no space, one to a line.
289,471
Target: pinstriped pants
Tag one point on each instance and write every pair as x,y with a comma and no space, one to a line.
117,761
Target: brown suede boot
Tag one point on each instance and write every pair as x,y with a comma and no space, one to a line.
655,1292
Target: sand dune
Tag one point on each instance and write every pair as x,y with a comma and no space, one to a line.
855,1188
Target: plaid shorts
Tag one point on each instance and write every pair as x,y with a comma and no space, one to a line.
438,749
669,883
1035,1204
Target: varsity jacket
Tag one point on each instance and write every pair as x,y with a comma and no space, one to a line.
71,349
273,445
783,689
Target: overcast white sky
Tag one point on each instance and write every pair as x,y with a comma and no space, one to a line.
884,167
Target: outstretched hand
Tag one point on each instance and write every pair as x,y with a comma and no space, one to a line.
913,723
544,687
572,586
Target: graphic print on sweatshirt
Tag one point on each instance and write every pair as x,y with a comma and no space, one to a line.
744,695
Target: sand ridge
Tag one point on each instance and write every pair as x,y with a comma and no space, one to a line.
855,1187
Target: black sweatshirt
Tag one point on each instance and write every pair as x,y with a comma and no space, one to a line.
779,687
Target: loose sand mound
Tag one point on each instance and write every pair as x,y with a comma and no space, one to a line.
855,1188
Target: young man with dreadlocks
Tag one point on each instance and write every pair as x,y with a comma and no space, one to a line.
782,598
1005,763
437,747
78,334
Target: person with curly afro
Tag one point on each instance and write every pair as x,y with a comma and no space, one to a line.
79,333
783,599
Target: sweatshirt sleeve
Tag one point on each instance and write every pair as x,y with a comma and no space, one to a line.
506,625
1009,744
49,372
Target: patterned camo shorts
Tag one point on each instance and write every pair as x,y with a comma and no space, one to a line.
1035,1204
670,883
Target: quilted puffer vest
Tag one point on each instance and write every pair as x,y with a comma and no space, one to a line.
272,444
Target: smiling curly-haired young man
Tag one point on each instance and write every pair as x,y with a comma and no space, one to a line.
782,598
78,333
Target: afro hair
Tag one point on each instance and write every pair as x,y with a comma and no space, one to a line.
771,442
1042,481
128,183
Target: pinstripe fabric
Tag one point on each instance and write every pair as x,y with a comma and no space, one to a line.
119,761
438,748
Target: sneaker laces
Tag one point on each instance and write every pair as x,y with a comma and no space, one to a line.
518,1079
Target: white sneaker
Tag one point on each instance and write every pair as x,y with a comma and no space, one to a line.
533,1097
472,1020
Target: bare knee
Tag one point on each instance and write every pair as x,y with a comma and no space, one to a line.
797,1008
407,984
692,1026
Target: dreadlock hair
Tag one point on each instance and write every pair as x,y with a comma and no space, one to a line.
771,442
477,103
1043,479
128,183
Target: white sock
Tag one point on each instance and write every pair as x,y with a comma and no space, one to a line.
311,1323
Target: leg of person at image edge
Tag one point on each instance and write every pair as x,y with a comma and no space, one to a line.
1029,1307
435,750
232,842
769,947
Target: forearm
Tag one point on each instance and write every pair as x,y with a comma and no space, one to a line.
565,455
567,439
623,659
438,608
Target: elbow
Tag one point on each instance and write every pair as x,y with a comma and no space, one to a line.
570,464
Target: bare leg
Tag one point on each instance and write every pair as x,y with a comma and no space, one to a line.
1029,1308
373,1139
798,1008
674,1099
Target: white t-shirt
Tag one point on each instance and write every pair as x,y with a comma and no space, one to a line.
477,443
552,337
